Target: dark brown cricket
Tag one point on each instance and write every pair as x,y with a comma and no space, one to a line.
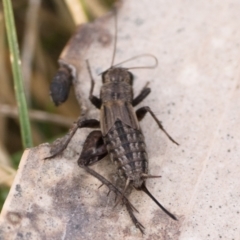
120,136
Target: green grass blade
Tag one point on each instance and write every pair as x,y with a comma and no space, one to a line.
17,74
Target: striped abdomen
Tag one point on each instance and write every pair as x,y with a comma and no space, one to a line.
127,150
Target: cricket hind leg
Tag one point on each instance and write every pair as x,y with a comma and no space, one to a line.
81,123
141,112
93,151
134,219
112,188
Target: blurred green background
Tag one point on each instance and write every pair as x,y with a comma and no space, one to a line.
43,28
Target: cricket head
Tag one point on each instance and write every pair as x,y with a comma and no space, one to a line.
117,75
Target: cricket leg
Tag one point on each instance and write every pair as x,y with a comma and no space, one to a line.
142,95
112,188
141,112
97,102
81,123
93,151
134,219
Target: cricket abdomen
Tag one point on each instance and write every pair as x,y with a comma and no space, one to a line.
127,149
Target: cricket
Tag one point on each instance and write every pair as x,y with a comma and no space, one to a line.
117,133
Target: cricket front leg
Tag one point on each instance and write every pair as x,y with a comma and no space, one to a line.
81,123
97,102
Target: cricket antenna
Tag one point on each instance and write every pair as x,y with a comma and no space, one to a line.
91,77
144,189
139,56
130,59
115,37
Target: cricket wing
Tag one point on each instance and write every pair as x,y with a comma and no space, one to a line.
112,111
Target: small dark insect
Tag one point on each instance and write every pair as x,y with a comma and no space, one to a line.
60,85
120,135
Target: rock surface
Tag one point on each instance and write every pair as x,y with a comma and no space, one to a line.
195,93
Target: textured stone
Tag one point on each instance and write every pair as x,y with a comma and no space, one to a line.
195,93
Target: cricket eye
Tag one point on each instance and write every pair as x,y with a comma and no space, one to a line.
131,78
104,77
